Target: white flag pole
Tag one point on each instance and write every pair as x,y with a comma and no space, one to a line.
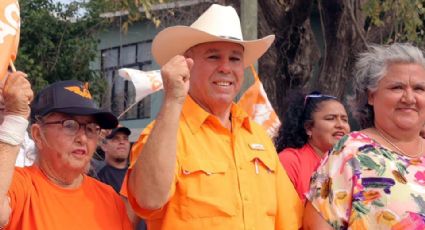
126,110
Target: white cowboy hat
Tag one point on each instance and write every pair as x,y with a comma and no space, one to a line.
217,23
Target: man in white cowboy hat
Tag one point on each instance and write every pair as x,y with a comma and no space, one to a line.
203,164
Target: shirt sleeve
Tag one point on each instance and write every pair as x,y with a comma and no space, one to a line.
135,152
291,164
332,184
290,208
18,192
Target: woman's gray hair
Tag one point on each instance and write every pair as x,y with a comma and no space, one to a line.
370,68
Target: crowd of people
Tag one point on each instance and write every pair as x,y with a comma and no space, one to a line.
203,163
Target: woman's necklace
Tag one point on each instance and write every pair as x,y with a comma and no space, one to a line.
396,147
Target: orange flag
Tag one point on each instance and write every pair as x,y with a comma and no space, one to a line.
255,102
9,34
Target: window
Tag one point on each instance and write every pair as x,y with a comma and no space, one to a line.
120,92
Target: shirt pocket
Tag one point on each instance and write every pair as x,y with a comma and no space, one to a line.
263,168
208,188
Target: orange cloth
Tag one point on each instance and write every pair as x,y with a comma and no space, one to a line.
300,164
224,180
256,103
37,203
9,36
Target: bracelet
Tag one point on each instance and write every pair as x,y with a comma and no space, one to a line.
13,129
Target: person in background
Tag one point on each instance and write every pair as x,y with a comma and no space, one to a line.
55,193
375,178
116,148
203,164
98,160
27,153
313,123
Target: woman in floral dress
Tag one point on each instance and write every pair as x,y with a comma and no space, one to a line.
375,178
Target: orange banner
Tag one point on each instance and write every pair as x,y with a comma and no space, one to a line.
256,103
9,34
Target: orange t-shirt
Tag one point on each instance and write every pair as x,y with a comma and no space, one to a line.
37,203
223,180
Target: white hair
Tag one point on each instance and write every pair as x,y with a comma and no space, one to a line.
371,67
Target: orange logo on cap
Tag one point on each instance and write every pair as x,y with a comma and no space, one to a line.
84,92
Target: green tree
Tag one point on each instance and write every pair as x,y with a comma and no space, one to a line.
58,42
137,10
317,41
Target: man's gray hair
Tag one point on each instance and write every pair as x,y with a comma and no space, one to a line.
370,68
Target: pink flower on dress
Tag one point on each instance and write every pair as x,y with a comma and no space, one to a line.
420,177
362,137
413,221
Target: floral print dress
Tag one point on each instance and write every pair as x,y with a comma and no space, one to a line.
363,185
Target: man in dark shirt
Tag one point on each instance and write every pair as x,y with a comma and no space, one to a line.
116,147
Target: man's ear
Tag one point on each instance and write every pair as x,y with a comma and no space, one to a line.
36,135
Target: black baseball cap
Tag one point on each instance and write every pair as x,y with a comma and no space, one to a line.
121,129
70,97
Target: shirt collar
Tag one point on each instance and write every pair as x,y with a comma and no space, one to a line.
195,116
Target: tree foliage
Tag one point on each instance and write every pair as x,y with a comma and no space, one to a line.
408,17
58,43
137,10
318,41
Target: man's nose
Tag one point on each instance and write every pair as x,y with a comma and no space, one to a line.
225,66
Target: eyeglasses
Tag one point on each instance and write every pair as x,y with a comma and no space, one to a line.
316,96
71,127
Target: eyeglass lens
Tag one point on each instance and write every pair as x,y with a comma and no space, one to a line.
72,127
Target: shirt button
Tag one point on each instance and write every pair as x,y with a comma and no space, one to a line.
245,198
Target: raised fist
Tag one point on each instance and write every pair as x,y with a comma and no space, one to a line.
17,94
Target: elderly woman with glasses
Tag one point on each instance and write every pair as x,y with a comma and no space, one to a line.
55,193
313,123
375,178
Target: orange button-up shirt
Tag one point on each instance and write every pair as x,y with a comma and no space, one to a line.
224,179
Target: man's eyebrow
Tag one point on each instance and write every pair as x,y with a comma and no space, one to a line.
237,52
211,50
214,50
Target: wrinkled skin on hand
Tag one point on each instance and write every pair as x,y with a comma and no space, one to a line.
17,95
